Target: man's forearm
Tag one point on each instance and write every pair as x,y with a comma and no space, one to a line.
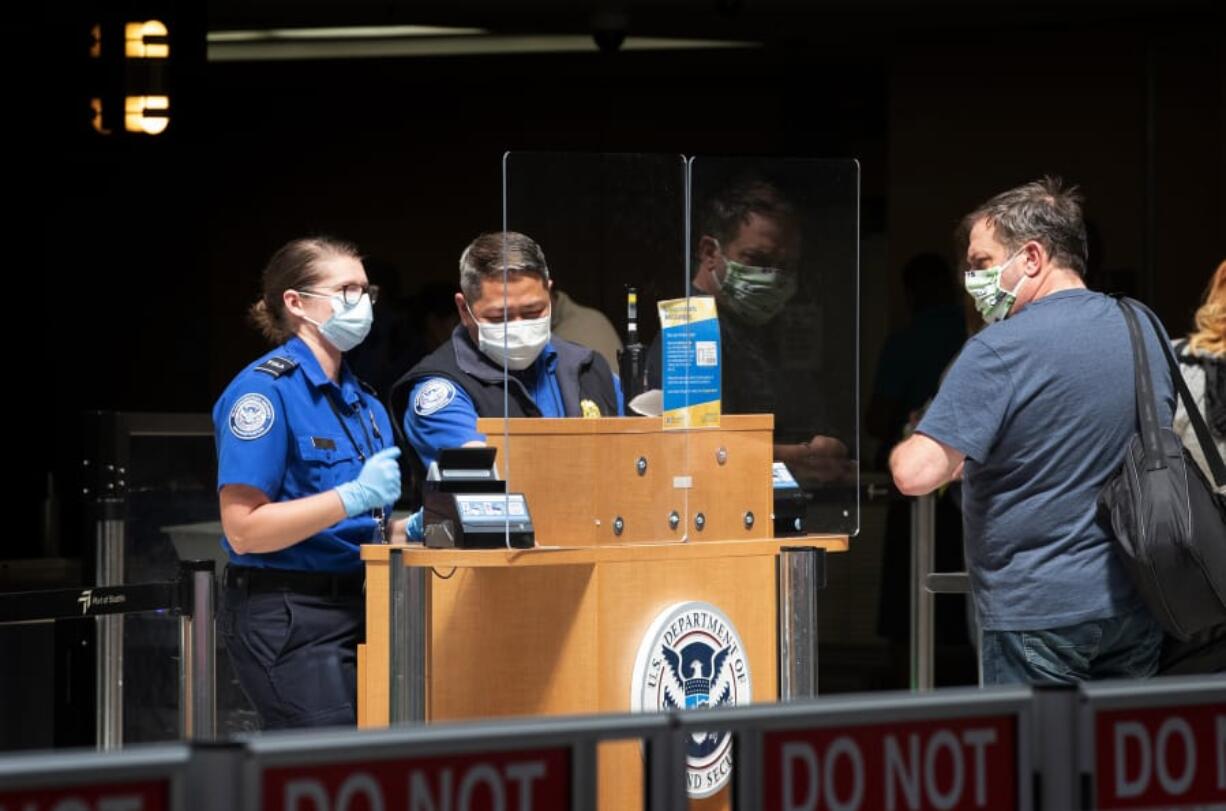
920,464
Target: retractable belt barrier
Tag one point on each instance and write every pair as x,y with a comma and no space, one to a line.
191,597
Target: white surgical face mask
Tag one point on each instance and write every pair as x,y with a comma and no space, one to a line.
992,302
349,324
515,344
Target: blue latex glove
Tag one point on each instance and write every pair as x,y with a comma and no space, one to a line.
377,485
415,528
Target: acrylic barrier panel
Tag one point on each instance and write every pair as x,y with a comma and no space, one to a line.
611,230
172,516
775,244
745,313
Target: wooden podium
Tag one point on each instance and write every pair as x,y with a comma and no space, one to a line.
555,630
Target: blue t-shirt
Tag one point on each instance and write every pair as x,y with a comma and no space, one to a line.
442,415
280,436
1043,405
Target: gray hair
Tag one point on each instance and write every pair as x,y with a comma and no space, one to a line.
1042,211
490,255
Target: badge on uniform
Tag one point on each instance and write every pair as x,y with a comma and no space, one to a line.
433,395
252,417
589,409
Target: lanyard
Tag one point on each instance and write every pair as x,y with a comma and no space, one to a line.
377,513
345,426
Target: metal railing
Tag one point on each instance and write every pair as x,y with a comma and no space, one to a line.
925,585
1094,746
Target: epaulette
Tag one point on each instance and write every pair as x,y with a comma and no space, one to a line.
277,367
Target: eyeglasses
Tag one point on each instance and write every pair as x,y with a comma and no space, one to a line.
351,294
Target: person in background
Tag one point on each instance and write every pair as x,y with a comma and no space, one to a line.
1202,361
585,326
909,370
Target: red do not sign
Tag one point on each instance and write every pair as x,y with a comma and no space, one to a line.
958,763
1172,757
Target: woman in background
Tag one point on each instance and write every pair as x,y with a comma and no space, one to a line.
1202,360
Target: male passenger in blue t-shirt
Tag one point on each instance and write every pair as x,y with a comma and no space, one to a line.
1034,416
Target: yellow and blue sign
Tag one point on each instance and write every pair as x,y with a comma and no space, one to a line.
690,362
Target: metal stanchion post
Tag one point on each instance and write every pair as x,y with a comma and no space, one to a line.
198,652
923,541
801,573
1054,733
665,780
407,640
109,681
397,626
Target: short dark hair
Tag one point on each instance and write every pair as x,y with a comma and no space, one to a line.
723,214
490,255
292,267
1043,211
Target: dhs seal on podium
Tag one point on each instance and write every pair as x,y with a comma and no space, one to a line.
692,657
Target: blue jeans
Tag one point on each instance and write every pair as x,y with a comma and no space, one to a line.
1123,647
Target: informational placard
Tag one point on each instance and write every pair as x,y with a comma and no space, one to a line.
690,362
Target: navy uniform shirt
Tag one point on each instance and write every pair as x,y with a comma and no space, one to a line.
278,434
442,415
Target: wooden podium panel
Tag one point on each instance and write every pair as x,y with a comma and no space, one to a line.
513,641
580,475
555,632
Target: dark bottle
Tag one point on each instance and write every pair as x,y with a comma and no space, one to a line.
631,361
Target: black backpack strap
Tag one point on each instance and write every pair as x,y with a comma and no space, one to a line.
1212,456
1147,403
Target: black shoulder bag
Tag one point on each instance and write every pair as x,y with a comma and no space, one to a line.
1169,522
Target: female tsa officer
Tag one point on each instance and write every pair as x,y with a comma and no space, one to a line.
307,472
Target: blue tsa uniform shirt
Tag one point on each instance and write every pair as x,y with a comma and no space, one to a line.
287,430
442,415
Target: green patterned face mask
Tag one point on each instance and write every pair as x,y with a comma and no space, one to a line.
991,301
756,294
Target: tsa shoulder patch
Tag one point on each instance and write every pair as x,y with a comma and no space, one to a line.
252,416
276,367
434,395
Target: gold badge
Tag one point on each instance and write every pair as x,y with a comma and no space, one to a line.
590,409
